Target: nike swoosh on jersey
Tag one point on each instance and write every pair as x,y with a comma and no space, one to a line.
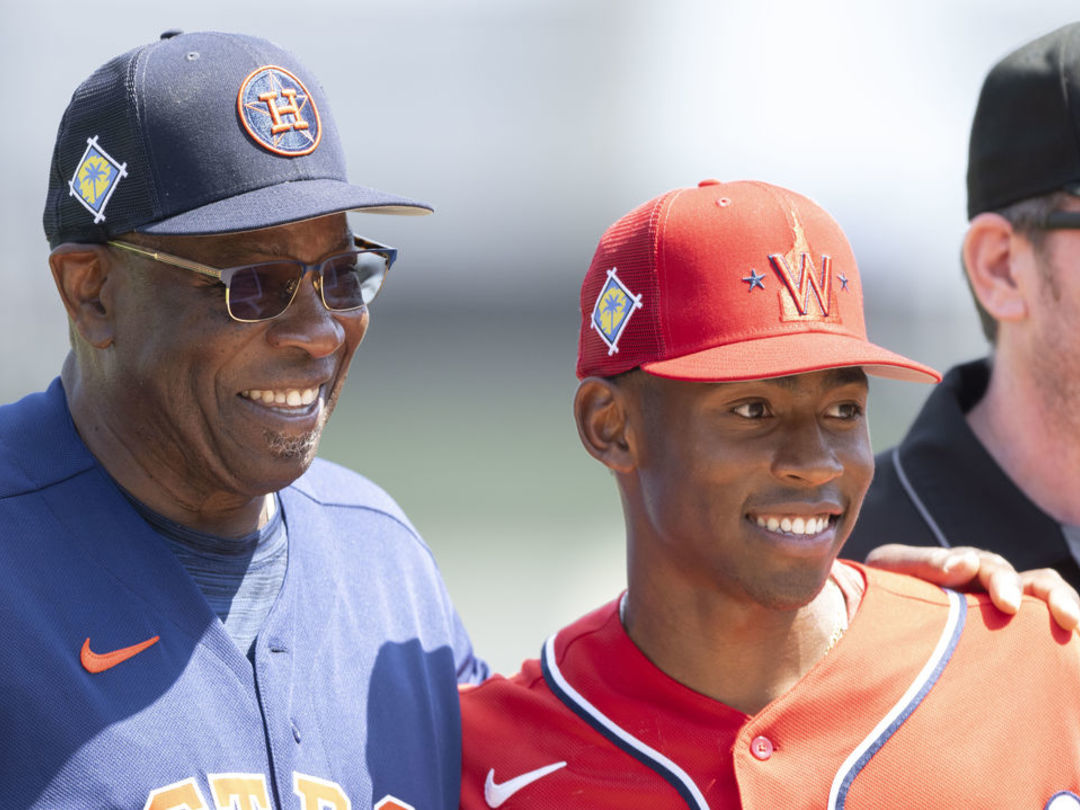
99,662
495,794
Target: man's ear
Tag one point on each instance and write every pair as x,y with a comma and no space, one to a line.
601,410
81,273
990,253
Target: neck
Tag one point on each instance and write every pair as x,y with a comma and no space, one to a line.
152,481
740,653
1032,430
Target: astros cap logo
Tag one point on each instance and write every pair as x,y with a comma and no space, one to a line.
278,112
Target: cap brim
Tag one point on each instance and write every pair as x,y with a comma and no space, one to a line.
292,201
784,355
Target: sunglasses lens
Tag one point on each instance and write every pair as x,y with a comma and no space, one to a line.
352,279
263,291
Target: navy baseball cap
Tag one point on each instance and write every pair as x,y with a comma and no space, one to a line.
200,133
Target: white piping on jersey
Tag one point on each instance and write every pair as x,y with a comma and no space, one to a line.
907,703
617,731
939,535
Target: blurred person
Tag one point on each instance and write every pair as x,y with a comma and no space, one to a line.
199,613
993,457
723,360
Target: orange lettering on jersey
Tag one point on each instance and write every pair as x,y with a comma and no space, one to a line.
177,796
795,300
318,794
276,112
239,791
392,803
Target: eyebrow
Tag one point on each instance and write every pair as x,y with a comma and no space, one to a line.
237,250
833,377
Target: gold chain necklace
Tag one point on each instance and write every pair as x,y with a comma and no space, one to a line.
841,618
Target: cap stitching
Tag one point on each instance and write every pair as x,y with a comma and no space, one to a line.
659,223
136,89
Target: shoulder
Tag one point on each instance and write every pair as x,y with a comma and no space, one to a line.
354,523
331,485
38,443
501,703
1031,632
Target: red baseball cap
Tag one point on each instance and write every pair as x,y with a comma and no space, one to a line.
724,282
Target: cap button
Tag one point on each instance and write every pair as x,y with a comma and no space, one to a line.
172,32
710,182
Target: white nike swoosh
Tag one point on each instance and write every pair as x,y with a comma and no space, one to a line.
496,794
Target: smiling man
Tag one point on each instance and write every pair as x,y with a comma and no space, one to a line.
723,359
197,612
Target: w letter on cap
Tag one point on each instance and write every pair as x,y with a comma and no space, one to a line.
809,298
612,310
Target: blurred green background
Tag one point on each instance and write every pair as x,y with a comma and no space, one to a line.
532,125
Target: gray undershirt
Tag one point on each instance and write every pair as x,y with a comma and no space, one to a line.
239,576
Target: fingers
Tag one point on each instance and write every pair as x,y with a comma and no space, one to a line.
1062,599
979,570
999,579
951,567
958,567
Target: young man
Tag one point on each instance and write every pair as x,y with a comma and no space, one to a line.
994,455
723,357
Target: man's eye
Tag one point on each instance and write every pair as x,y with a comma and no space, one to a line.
845,410
751,410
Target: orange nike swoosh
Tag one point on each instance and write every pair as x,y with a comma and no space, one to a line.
95,662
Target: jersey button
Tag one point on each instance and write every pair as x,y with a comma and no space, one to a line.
761,748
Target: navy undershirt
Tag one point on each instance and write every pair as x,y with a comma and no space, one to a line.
239,576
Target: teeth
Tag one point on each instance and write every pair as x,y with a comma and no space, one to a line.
794,525
289,397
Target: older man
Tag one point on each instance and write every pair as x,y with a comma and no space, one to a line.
723,360
994,456
197,613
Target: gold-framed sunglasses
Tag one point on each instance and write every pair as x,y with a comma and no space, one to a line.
261,291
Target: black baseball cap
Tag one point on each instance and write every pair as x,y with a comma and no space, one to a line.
1025,139
196,134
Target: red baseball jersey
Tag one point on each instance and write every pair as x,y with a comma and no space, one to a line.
931,699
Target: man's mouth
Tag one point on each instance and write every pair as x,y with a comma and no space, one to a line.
283,397
794,524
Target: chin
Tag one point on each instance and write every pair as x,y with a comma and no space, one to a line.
293,449
286,459
788,590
